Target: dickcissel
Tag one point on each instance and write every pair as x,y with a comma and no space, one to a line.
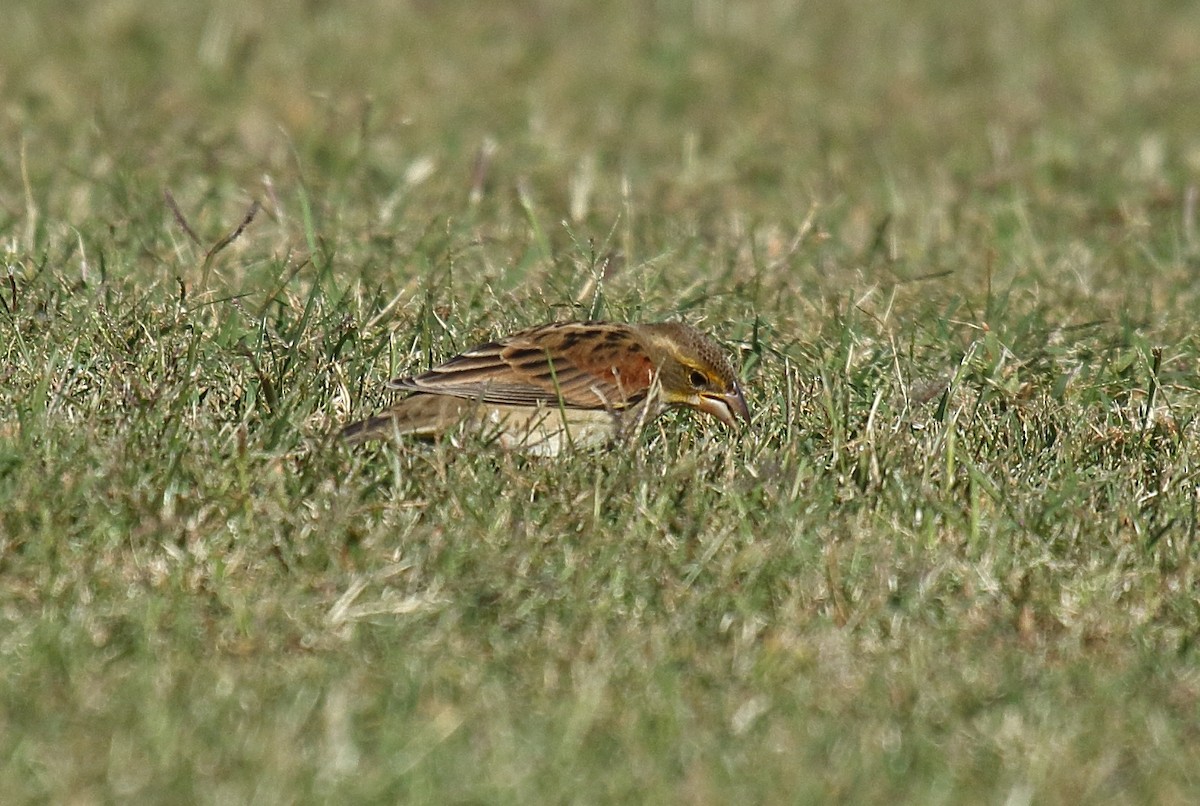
564,384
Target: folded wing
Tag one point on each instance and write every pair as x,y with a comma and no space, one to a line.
585,365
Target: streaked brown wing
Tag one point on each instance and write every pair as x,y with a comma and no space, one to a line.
585,365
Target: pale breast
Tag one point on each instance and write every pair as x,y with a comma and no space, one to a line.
544,431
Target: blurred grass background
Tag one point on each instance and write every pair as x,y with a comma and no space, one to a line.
953,247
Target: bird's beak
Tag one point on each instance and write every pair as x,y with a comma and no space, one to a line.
727,407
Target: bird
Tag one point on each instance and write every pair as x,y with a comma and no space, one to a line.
564,385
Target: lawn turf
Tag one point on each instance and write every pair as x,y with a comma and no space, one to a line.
953,248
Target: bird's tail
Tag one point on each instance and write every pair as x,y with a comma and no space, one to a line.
419,415
379,427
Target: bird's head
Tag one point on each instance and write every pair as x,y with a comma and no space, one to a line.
694,372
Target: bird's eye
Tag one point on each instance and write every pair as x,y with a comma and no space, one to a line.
698,380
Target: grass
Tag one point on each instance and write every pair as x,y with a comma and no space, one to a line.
954,251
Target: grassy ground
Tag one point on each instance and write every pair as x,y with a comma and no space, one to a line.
954,247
